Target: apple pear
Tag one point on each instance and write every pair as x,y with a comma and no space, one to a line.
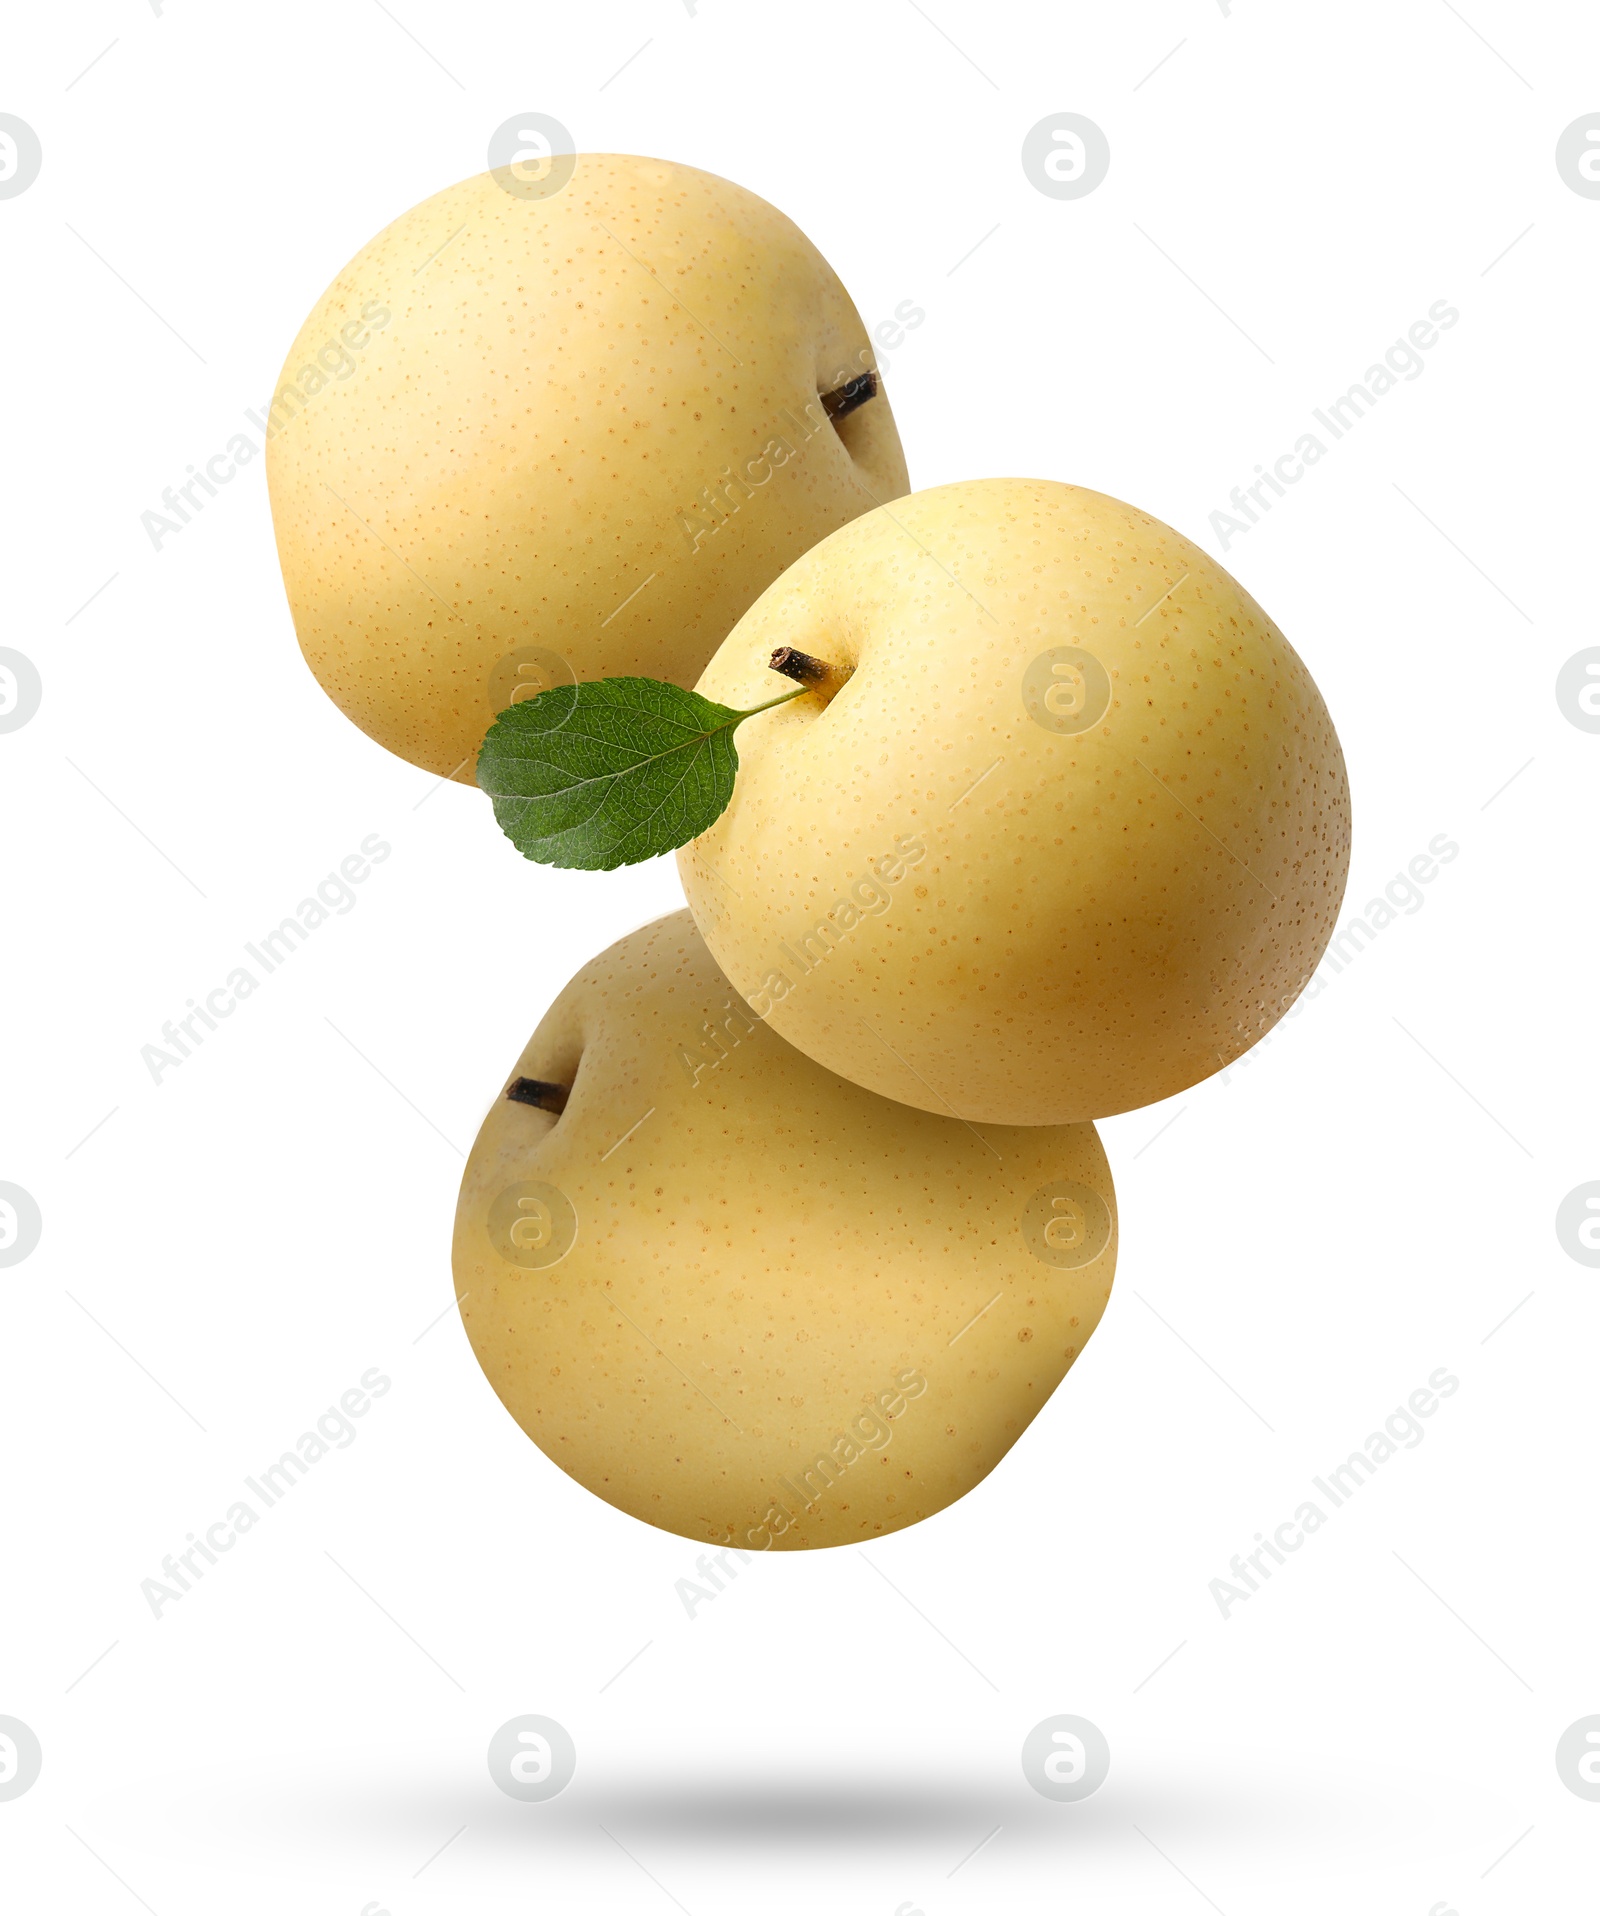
536,433
1129,804
744,1300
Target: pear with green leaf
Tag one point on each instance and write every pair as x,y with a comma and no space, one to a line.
1132,796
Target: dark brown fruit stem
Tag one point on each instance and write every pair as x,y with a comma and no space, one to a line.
542,1096
804,669
854,392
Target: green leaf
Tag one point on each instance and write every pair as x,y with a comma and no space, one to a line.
611,771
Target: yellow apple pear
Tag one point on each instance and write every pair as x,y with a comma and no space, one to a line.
1126,799
543,432
742,1299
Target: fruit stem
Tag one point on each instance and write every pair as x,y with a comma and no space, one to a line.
542,1096
812,674
854,392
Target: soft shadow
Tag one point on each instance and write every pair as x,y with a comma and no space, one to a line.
796,1809
793,1807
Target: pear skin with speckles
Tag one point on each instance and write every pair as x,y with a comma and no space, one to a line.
742,1299
1128,804
525,438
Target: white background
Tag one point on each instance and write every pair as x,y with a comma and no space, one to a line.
1365,1200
